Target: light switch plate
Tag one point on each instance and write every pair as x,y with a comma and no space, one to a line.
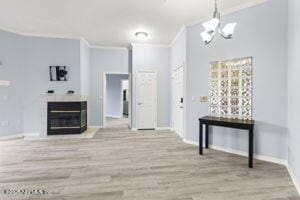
4,83
203,99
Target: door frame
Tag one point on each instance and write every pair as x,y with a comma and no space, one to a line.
121,103
137,95
104,95
184,100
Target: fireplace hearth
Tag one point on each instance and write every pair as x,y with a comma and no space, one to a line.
66,118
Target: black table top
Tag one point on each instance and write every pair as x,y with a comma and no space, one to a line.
227,120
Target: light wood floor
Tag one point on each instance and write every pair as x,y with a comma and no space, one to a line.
124,165
117,123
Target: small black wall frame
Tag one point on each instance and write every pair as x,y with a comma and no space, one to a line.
58,73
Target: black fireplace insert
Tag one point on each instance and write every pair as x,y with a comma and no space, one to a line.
67,118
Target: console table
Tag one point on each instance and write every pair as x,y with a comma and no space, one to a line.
230,123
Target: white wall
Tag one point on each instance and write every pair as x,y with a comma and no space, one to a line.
261,33
12,69
156,58
293,88
114,95
103,60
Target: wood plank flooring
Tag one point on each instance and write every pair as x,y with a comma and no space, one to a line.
121,165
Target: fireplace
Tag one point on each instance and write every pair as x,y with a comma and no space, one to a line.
67,118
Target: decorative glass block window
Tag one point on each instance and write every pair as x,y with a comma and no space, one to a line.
231,89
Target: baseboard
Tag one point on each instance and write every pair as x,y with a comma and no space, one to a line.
31,134
292,174
11,137
134,129
114,116
162,128
95,127
242,153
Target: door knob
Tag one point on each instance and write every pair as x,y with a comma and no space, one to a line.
140,104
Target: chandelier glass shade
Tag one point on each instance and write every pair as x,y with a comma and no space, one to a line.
214,25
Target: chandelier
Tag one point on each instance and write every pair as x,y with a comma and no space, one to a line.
214,25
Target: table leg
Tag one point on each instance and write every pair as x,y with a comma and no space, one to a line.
207,136
251,137
201,139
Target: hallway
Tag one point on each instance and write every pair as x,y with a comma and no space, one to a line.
117,123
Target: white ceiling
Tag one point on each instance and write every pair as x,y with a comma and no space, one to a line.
109,22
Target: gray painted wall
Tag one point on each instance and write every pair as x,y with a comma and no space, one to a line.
40,53
103,60
178,51
158,59
113,95
261,33
12,69
293,87
84,68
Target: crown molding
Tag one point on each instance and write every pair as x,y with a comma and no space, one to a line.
82,39
181,30
108,47
149,45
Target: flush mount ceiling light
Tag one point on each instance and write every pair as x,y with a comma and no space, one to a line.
214,25
141,35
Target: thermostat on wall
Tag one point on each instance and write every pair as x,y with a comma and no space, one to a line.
4,83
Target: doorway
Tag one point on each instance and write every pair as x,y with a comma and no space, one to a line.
116,100
146,100
178,100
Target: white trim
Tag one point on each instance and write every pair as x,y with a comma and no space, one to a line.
181,30
108,47
83,40
122,102
242,153
294,179
150,45
65,37
104,99
10,137
95,127
104,80
163,128
134,129
224,12
31,134
114,116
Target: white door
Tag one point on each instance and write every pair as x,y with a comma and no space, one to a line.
146,100
178,101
